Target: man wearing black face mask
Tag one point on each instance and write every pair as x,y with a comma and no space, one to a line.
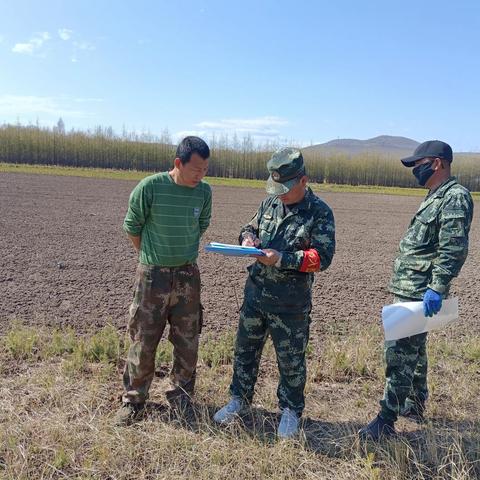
430,255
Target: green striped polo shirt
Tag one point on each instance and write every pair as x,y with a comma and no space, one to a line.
170,218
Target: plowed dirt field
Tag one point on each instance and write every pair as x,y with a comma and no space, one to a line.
66,261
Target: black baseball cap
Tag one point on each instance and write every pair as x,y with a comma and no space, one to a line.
431,148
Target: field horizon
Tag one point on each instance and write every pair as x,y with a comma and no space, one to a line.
116,174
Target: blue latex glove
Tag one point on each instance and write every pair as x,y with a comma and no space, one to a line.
432,303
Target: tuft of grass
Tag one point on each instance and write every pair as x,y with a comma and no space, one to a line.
104,346
30,344
76,362
446,349
21,342
372,471
60,459
344,359
60,342
217,351
164,353
472,350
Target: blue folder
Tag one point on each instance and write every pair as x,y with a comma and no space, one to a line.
233,250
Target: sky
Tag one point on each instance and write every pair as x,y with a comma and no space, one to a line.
301,72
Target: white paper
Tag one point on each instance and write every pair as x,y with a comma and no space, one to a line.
405,319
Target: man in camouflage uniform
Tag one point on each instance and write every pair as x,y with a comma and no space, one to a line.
296,231
431,255
167,214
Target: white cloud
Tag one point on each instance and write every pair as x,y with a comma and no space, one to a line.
33,45
84,46
2,38
245,124
18,105
65,33
260,128
81,47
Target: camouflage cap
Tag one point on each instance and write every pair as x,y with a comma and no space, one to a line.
286,168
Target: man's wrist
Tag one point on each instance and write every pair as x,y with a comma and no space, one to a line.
438,287
248,234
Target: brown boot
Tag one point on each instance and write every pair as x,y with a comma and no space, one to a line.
129,413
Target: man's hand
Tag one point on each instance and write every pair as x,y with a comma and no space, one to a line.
250,240
136,241
432,303
271,256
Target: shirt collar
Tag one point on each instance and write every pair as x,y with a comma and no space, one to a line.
442,188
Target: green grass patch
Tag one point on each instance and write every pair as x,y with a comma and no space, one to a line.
21,342
164,353
472,350
73,171
228,182
355,356
105,346
217,351
61,342
28,343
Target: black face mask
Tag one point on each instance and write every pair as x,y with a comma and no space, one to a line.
423,172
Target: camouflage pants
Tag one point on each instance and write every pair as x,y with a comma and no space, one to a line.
163,294
405,373
289,332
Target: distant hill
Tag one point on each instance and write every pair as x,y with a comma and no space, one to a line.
384,144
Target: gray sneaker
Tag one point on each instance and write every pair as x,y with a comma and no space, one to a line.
230,411
289,424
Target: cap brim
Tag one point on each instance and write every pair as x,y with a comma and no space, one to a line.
410,161
277,188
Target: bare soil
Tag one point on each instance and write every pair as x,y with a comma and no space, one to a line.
65,260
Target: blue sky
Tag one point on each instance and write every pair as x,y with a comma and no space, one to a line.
302,71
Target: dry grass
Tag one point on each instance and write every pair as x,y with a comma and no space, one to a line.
58,393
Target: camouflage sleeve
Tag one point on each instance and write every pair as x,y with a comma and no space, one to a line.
455,219
138,209
204,220
322,239
251,226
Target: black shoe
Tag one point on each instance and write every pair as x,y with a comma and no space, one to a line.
377,428
415,412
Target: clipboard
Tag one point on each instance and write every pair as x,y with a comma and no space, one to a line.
233,250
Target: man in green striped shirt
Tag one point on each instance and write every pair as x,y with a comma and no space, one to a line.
167,214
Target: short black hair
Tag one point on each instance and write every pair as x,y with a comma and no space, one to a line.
190,145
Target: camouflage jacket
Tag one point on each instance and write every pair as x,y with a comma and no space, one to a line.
436,243
308,224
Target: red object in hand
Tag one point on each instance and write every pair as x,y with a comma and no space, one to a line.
311,261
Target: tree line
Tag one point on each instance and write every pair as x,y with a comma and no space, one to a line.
231,157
